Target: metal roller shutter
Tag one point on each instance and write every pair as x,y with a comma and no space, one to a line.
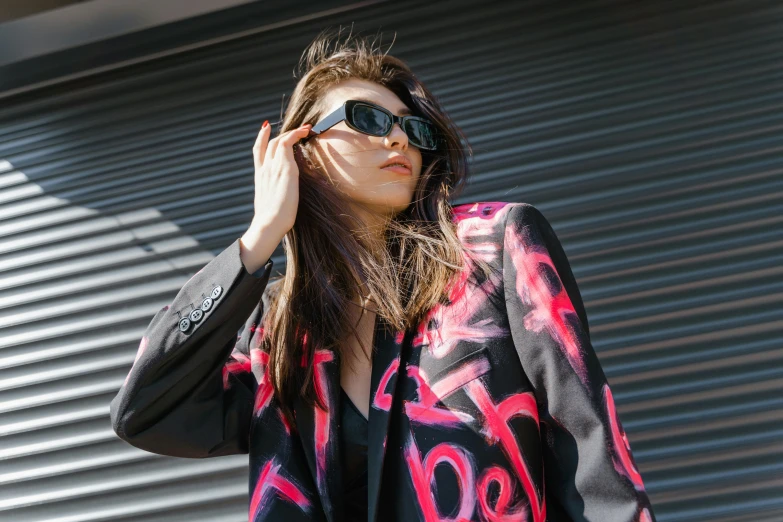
649,135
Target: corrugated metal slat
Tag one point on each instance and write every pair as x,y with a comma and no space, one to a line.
648,134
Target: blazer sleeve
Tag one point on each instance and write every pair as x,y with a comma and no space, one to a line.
190,391
589,470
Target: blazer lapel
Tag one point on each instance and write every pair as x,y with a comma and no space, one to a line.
383,382
318,431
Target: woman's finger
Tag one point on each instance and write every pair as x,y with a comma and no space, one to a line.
261,144
288,139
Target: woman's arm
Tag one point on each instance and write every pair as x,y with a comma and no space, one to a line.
190,392
588,465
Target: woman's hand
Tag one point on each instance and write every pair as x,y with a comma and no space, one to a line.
276,194
277,178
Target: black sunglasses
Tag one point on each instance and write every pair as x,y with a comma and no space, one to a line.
375,120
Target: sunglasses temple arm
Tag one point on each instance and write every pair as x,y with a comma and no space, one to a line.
329,121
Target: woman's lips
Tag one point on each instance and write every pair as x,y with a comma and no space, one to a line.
398,169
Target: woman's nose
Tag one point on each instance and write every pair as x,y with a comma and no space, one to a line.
397,135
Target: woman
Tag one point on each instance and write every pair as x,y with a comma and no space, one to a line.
417,361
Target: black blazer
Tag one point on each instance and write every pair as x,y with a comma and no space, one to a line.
494,408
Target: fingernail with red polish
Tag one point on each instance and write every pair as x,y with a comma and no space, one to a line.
265,124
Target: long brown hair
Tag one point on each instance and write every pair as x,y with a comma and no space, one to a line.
325,260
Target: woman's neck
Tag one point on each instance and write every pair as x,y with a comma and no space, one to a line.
370,228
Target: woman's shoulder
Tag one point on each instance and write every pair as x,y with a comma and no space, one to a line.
483,210
485,218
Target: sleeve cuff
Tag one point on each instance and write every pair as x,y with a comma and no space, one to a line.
266,267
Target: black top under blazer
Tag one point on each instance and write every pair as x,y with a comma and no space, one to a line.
494,407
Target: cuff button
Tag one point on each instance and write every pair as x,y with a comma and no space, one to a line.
216,292
184,324
206,304
196,315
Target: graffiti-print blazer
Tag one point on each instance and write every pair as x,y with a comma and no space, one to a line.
494,408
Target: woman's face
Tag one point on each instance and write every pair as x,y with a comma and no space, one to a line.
353,160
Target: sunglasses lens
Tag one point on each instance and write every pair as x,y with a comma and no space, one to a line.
421,134
370,121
